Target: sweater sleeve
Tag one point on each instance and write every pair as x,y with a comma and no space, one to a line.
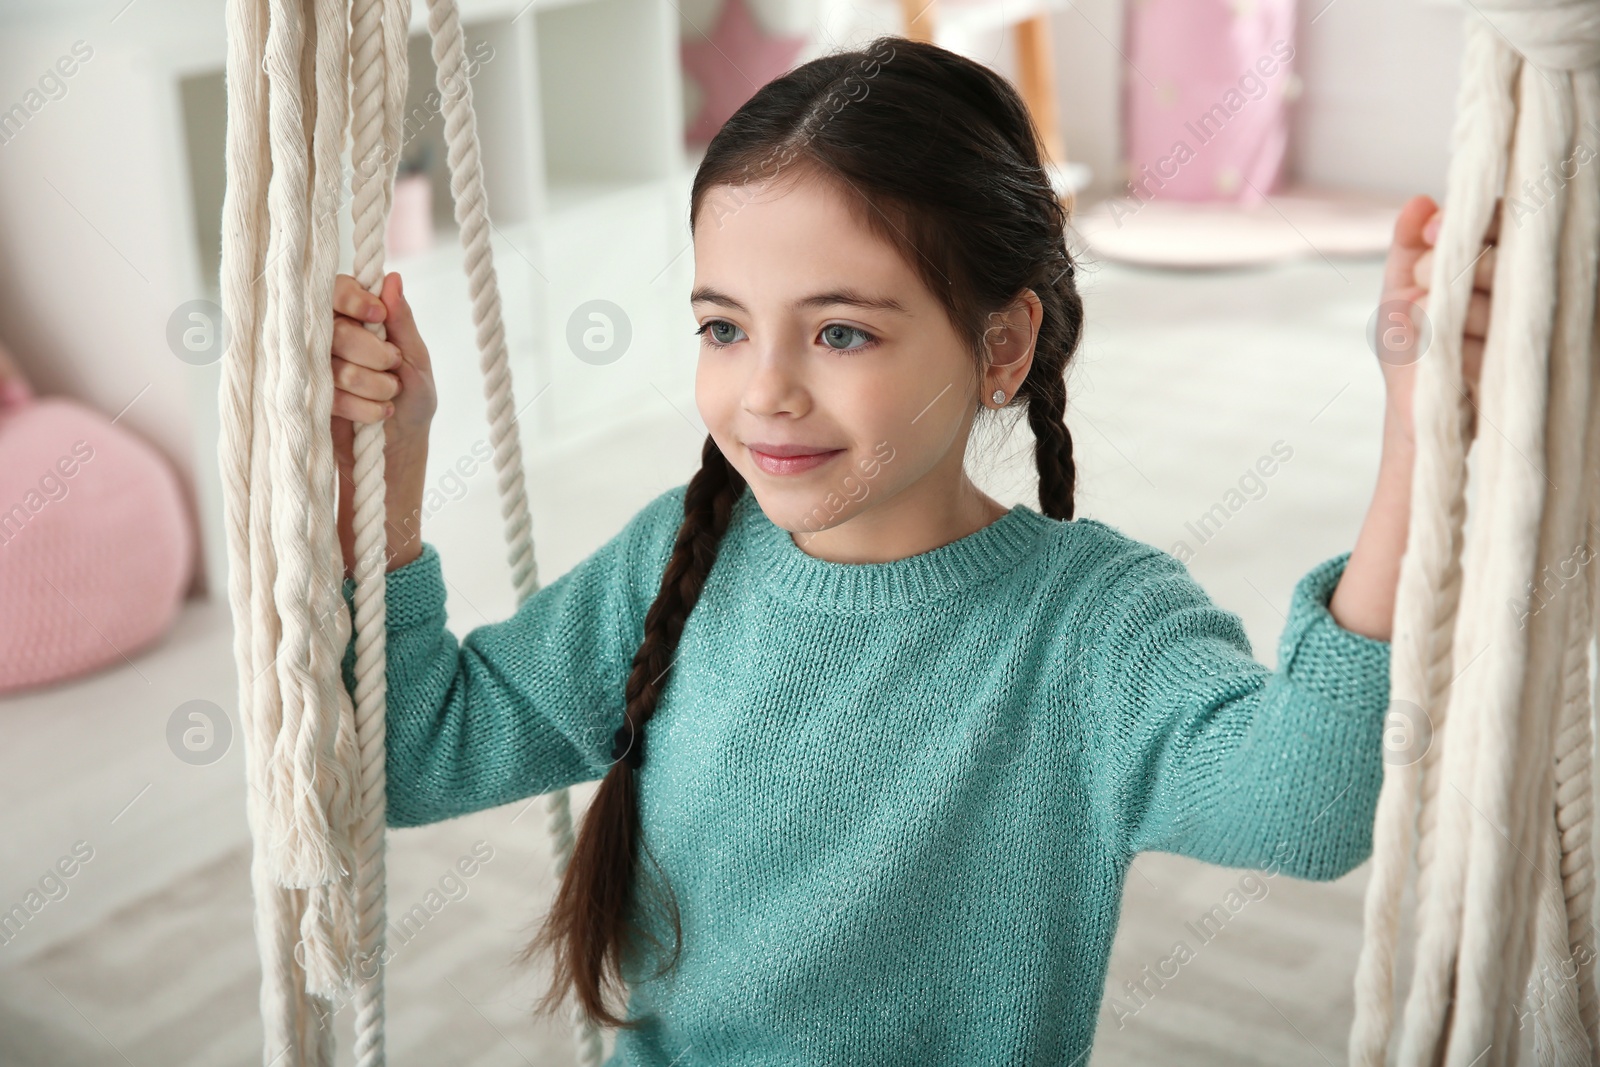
520,707
1207,753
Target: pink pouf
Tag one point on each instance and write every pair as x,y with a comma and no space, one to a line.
95,542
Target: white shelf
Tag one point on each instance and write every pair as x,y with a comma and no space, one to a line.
580,125
484,10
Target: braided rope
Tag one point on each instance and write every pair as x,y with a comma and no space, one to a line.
1502,812
1555,644
327,928
316,801
300,849
242,449
1574,746
1514,756
380,66
472,218
1422,656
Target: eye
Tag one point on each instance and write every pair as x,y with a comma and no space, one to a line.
709,334
838,331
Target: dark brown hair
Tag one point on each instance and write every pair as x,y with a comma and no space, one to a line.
941,158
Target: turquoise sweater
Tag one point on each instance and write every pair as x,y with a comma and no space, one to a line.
897,801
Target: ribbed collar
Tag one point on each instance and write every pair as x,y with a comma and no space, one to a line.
796,578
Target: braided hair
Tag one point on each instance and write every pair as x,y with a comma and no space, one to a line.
943,160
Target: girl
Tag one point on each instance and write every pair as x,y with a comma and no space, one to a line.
874,750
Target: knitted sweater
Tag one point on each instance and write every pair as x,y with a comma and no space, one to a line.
896,802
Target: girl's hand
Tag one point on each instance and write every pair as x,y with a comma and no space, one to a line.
1406,277
1363,601
381,381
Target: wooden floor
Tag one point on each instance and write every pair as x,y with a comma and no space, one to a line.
173,979
1182,383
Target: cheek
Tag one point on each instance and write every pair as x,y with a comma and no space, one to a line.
706,388
715,395
912,416
899,429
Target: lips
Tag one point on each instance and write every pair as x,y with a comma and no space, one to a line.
801,459
787,451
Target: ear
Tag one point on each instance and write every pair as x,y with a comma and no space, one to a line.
1008,342
1009,336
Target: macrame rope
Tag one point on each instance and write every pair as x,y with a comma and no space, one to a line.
380,67
1551,640
1512,750
472,218
1428,592
1574,743
329,925
277,461
244,444
1501,805
297,71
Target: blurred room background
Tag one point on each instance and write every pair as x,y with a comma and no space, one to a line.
1229,313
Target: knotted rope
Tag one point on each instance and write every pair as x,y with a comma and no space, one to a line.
315,756
1494,616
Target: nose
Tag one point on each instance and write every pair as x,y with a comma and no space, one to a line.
776,382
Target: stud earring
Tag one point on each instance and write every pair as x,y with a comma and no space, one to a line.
999,396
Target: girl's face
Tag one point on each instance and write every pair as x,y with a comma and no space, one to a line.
814,332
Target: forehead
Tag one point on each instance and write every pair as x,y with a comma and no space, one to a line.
780,236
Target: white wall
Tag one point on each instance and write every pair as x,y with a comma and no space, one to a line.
93,228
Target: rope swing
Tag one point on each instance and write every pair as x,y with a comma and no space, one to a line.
296,71
1494,620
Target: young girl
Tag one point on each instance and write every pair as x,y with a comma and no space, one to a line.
874,750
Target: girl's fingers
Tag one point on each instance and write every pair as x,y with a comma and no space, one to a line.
1483,272
1471,363
358,344
401,326
364,383
349,298
1482,269
359,409
1477,316
1408,242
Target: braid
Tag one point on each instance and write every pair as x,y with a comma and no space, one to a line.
1052,447
707,509
591,924
1046,387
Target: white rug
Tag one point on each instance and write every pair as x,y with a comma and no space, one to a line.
1295,224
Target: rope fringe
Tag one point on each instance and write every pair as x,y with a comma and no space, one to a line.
1500,808
297,70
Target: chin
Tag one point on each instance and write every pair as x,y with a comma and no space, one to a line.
804,513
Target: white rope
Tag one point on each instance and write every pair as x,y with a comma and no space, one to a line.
380,69
1502,808
472,217
316,753
242,451
309,807
1426,599
329,925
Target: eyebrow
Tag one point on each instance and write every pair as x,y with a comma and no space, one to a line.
706,294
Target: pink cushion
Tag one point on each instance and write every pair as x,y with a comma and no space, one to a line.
95,542
1206,96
